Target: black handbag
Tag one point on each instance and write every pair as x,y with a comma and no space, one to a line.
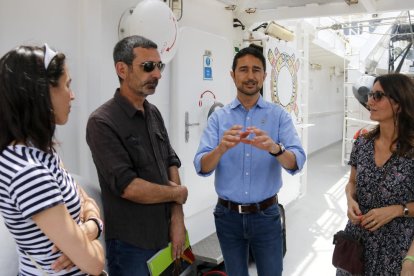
348,254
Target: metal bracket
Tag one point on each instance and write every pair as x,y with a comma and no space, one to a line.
187,125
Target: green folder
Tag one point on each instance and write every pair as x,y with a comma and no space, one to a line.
163,259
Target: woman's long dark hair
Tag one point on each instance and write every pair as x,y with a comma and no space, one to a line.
400,88
26,112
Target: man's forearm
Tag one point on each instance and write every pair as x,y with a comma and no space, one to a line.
210,160
288,160
173,175
176,209
144,192
177,213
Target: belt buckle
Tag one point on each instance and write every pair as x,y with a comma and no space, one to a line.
239,208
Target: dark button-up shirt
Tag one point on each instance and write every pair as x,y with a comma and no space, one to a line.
128,144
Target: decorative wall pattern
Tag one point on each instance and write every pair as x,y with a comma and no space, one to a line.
284,76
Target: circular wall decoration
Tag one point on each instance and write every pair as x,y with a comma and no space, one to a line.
284,79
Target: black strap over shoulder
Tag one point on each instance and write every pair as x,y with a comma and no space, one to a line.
283,220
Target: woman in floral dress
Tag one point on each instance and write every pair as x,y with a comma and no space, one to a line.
380,191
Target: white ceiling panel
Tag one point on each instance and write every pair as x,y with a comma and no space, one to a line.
290,9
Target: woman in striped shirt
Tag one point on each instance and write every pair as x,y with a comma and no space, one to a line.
54,223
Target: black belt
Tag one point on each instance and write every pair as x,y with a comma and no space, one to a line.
248,208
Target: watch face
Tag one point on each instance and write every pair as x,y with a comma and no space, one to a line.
405,211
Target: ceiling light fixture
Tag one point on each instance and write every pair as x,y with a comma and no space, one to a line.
351,2
277,31
250,10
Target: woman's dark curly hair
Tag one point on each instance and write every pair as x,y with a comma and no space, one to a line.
26,112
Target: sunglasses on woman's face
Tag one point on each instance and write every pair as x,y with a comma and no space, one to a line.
149,66
377,95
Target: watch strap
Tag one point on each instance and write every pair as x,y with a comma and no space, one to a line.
280,152
99,225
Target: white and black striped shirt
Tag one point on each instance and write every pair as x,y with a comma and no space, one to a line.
30,182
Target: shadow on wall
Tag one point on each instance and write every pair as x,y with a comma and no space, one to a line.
9,261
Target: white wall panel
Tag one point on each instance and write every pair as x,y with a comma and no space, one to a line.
188,85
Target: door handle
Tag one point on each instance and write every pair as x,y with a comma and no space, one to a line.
188,125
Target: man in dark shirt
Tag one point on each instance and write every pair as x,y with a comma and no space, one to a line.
137,167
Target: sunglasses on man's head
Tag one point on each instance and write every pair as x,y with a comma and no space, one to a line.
376,95
149,66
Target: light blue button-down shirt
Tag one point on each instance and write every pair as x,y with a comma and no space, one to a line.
246,174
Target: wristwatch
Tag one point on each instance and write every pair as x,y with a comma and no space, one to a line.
280,152
405,211
99,224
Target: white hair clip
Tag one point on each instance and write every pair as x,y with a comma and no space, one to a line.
49,55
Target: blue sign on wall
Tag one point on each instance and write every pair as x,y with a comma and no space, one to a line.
207,70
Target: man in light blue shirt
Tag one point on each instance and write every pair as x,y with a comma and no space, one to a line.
247,143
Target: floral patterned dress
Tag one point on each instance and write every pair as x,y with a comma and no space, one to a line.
391,184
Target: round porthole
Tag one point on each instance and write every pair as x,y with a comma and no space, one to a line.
214,107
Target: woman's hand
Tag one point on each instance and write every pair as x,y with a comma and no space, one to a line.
91,229
63,262
378,217
407,268
354,213
89,207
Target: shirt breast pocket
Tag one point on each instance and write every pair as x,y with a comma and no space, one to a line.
162,140
137,152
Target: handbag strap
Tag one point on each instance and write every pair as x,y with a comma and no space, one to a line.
44,273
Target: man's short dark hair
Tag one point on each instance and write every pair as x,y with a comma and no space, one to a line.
124,49
250,50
